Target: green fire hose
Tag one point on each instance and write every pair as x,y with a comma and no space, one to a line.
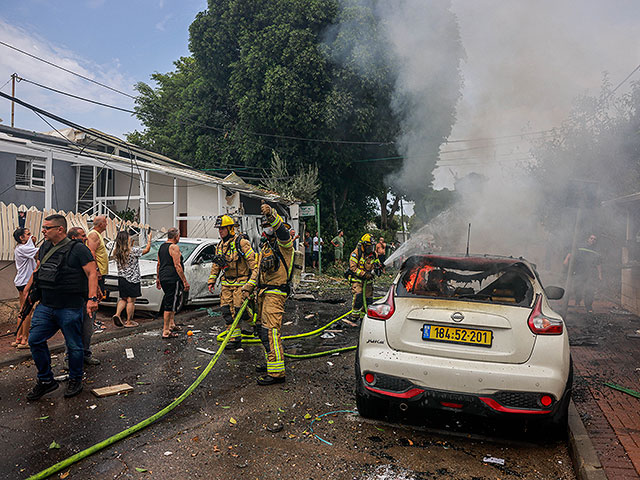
224,338
129,431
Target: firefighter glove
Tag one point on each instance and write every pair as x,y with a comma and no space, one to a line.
265,209
368,276
245,294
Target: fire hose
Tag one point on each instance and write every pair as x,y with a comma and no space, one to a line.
224,338
144,423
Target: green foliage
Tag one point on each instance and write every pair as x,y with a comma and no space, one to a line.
283,69
431,203
128,215
303,185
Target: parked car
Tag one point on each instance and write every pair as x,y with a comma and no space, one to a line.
472,334
197,254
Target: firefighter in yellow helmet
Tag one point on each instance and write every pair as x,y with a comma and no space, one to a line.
363,263
234,262
271,281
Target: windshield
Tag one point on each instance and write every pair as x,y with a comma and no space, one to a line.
186,249
485,282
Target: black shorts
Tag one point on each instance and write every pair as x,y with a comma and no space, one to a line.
20,288
382,259
173,291
128,289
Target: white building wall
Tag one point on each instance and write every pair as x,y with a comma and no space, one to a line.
202,201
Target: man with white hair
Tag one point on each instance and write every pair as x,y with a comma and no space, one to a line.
95,242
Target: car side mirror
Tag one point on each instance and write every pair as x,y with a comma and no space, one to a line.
554,293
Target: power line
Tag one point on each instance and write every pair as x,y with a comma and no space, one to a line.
21,79
67,70
286,137
99,135
218,129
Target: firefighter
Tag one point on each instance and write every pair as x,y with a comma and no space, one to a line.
271,280
363,263
234,262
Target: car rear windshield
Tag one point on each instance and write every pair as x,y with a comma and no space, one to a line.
186,249
500,282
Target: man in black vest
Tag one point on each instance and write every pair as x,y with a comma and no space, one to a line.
66,277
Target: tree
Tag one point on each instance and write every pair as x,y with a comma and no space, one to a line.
284,77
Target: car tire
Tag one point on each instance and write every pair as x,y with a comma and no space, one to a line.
368,405
184,299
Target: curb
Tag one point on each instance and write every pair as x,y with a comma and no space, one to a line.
23,355
583,454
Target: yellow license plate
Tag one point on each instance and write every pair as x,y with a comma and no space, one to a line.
467,336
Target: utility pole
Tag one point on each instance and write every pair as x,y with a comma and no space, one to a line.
404,235
319,237
13,94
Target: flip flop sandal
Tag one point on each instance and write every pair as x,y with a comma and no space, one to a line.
170,336
176,328
22,346
116,319
15,344
131,324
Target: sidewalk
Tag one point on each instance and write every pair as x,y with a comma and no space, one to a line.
602,352
12,356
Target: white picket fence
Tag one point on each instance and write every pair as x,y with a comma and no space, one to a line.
9,222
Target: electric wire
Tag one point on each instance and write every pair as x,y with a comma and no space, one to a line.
95,102
66,70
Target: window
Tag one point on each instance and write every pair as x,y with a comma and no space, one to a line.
30,172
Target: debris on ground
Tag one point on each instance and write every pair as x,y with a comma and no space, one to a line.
129,352
204,350
112,390
494,460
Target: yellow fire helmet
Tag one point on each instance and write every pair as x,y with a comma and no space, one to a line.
366,238
225,221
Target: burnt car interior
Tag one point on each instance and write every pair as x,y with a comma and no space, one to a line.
481,279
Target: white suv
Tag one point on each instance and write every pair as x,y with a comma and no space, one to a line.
471,334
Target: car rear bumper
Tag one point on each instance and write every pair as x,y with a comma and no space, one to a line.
546,370
520,404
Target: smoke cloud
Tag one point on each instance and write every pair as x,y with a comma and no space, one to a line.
526,63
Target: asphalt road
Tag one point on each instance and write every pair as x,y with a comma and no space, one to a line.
231,428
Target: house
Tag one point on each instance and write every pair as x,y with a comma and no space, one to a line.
88,171
630,278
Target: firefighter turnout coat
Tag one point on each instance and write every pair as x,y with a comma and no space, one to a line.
271,281
236,261
362,269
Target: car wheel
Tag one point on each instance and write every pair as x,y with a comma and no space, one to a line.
368,405
184,299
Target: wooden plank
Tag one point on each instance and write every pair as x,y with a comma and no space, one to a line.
4,228
112,390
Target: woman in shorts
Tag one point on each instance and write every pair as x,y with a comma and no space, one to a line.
127,259
25,258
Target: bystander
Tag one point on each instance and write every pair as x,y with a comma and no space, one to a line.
24,254
171,279
127,259
66,276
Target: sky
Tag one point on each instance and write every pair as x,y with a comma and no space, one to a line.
525,63
115,42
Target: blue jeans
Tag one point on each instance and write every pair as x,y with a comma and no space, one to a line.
46,321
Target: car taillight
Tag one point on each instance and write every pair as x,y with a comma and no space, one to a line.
540,324
384,310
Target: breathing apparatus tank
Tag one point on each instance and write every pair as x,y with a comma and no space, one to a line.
296,271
